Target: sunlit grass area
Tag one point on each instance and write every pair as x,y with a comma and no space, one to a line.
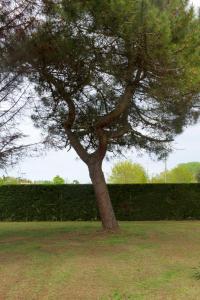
75,260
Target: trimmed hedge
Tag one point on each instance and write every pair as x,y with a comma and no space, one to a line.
77,202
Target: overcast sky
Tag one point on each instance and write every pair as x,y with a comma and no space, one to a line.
67,165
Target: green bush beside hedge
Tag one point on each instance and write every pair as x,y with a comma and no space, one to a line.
77,202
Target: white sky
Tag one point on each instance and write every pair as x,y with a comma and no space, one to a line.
196,2
69,167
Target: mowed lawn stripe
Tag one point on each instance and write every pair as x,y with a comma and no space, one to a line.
76,260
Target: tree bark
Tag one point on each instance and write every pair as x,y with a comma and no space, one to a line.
104,204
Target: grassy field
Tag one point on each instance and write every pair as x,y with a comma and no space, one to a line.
74,260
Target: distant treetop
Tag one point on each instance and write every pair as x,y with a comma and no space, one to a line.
58,180
128,172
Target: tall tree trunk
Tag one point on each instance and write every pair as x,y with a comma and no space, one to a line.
104,204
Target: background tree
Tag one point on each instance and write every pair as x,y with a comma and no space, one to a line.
12,86
192,167
198,176
111,75
182,173
47,182
75,181
8,180
128,172
58,180
13,180
160,178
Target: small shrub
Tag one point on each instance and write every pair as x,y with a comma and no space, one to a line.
196,273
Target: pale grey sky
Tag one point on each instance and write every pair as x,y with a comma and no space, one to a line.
196,2
68,166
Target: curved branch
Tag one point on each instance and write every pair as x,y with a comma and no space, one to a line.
120,108
74,141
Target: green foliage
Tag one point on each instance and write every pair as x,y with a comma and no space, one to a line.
12,89
13,180
196,273
43,182
58,180
198,176
47,202
177,175
160,178
127,172
9,180
75,181
77,202
193,168
142,53
182,173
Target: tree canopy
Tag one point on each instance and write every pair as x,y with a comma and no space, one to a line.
13,96
127,172
58,180
179,174
182,173
192,167
8,180
126,77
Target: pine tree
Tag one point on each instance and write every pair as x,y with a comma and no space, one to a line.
112,75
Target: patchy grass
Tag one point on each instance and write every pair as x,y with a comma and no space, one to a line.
75,260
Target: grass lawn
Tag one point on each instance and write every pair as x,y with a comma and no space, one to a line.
73,260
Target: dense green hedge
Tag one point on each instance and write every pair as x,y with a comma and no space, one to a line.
77,202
